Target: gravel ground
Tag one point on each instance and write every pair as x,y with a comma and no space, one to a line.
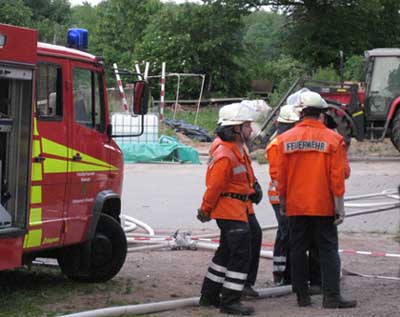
168,275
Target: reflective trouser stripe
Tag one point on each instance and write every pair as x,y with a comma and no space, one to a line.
215,278
233,286
279,259
279,268
236,275
218,268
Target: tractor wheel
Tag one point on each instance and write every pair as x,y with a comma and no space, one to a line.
395,138
106,255
343,126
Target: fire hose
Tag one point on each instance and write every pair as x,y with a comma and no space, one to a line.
184,240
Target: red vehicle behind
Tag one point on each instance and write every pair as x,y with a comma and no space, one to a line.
61,171
370,110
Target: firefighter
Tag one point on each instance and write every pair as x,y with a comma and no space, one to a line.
231,189
311,177
288,116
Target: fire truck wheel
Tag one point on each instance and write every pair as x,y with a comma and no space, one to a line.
395,138
107,254
343,126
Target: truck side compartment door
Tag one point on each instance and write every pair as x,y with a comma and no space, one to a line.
49,153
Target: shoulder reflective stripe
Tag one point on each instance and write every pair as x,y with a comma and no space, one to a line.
55,166
36,194
215,278
218,268
54,148
239,169
279,268
233,286
33,238
279,259
82,167
236,275
35,216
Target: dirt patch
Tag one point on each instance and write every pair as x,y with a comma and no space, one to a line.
159,275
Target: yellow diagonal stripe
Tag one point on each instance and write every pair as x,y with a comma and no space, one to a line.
51,147
33,238
36,172
36,194
54,148
55,166
35,130
82,167
35,216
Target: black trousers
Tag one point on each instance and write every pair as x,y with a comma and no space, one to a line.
228,271
281,259
304,231
256,240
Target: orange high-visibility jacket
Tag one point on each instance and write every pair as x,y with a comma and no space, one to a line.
312,168
272,157
229,171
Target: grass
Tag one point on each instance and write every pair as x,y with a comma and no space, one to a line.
46,292
207,117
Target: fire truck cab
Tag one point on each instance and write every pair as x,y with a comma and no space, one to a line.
61,172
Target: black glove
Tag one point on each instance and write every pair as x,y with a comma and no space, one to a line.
203,216
258,195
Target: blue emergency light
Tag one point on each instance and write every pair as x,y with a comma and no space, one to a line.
78,38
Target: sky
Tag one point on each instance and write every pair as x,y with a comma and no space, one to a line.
94,2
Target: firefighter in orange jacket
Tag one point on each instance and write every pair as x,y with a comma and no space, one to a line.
231,190
311,178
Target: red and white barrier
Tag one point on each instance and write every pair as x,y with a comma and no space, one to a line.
162,92
121,88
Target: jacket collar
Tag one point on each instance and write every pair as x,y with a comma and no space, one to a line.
235,148
311,122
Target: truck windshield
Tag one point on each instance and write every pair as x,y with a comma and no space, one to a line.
385,84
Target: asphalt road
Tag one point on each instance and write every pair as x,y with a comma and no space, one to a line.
166,196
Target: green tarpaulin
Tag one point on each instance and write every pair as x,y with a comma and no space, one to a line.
168,149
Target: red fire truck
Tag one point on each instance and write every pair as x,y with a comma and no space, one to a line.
61,171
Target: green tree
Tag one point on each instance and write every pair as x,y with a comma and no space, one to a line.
15,12
203,39
51,19
120,28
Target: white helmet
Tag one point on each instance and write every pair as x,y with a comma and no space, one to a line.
311,99
288,114
235,114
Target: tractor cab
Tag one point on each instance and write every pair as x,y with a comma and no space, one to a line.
382,83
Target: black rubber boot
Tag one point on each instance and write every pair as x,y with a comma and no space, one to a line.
303,300
249,291
207,301
337,301
237,308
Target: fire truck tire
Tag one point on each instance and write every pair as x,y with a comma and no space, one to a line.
395,138
107,254
343,126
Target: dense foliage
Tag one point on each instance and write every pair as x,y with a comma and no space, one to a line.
231,41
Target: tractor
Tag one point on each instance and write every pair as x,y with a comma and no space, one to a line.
366,111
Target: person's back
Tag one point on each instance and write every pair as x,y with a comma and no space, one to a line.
313,161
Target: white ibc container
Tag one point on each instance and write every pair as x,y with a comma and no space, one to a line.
126,124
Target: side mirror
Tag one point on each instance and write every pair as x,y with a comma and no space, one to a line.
141,97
